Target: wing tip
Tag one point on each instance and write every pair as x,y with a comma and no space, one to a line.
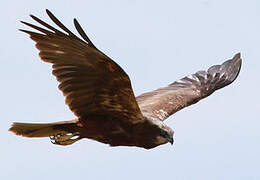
229,70
236,66
236,56
48,12
25,31
237,59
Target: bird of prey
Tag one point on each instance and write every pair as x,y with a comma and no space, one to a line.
99,93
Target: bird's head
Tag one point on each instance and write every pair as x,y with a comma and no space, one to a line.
164,135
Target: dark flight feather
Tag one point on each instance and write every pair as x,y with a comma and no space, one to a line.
94,79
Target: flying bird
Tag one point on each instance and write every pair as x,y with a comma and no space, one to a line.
99,93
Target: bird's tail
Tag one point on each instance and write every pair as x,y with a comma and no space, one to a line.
62,133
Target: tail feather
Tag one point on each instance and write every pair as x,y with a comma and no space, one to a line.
63,133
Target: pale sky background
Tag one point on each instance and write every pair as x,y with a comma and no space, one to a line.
156,42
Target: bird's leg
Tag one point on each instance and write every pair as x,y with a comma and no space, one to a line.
65,138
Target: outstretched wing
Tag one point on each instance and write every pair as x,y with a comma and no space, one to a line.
91,82
163,102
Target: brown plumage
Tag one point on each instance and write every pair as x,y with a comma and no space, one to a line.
99,93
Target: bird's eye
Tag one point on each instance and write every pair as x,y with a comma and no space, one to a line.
164,133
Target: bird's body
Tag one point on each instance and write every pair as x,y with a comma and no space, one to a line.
140,135
99,93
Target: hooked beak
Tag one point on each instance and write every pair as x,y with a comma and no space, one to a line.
170,140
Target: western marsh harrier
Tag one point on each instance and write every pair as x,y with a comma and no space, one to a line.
99,93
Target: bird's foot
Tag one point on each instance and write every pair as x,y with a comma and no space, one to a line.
65,138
